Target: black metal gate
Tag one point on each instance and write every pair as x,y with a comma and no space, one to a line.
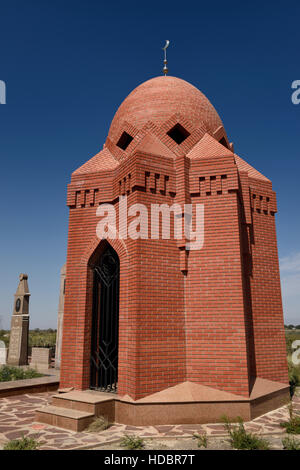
105,324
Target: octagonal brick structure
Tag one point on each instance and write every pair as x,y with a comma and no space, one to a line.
212,316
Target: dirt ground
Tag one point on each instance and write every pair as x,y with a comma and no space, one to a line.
219,443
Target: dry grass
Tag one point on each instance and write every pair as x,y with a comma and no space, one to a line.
99,424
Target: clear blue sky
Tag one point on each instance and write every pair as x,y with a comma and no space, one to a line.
69,64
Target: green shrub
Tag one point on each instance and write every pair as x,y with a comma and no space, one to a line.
294,370
99,424
42,338
292,426
8,373
4,336
243,440
294,377
37,338
290,337
25,443
290,444
132,442
202,440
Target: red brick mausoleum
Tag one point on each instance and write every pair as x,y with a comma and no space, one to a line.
180,336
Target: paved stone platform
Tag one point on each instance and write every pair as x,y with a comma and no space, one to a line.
17,416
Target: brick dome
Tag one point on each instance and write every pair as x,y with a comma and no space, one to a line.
160,98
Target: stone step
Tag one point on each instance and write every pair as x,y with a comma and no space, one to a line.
90,397
97,403
73,405
74,420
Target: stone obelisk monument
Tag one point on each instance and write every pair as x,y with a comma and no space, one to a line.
18,342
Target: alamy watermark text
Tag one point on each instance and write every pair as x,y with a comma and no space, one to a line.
2,92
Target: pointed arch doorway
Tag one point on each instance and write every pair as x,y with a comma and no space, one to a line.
105,322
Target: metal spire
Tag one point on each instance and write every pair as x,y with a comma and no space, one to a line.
165,69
